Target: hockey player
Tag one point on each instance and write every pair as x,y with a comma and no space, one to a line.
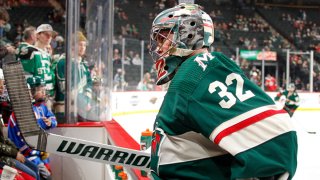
45,119
214,123
290,99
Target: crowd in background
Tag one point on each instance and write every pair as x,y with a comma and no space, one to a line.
227,28
231,30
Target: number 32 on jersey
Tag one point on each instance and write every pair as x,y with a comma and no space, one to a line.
242,96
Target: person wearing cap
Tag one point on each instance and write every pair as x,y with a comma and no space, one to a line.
45,119
79,67
36,61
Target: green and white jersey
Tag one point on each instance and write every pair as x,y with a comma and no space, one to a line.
292,99
37,62
24,51
84,81
214,123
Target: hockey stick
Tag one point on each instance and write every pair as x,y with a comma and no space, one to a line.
296,122
93,151
61,145
301,126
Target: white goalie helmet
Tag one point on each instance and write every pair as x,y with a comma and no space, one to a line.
192,29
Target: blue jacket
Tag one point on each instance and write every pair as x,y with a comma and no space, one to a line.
40,110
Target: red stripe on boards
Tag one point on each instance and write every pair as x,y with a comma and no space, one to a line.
121,138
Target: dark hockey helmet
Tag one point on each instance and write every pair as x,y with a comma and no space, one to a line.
192,29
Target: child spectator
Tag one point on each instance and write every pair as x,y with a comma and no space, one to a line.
9,153
45,119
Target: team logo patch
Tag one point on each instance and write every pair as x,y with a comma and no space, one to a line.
157,137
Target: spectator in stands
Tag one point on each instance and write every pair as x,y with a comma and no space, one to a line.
116,56
5,48
142,86
80,69
16,35
5,105
298,84
255,75
4,51
45,33
119,82
59,49
4,25
141,4
135,31
270,83
37,61
136,60
10,156
9,153
245,67
26,48
304,72
241,41
289,98
147,84
317,83
45,119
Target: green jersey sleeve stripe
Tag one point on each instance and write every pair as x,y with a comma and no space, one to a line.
245,123
268,129
238,119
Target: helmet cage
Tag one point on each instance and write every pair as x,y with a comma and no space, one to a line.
157,39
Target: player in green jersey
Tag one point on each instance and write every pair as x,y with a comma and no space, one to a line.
290,99
214,123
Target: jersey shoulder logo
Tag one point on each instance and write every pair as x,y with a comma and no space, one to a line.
203,59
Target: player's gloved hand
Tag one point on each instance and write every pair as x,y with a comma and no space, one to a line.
44,155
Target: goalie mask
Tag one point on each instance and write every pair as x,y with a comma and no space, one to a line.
176,33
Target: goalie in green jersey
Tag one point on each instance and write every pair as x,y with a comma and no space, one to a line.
214,123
